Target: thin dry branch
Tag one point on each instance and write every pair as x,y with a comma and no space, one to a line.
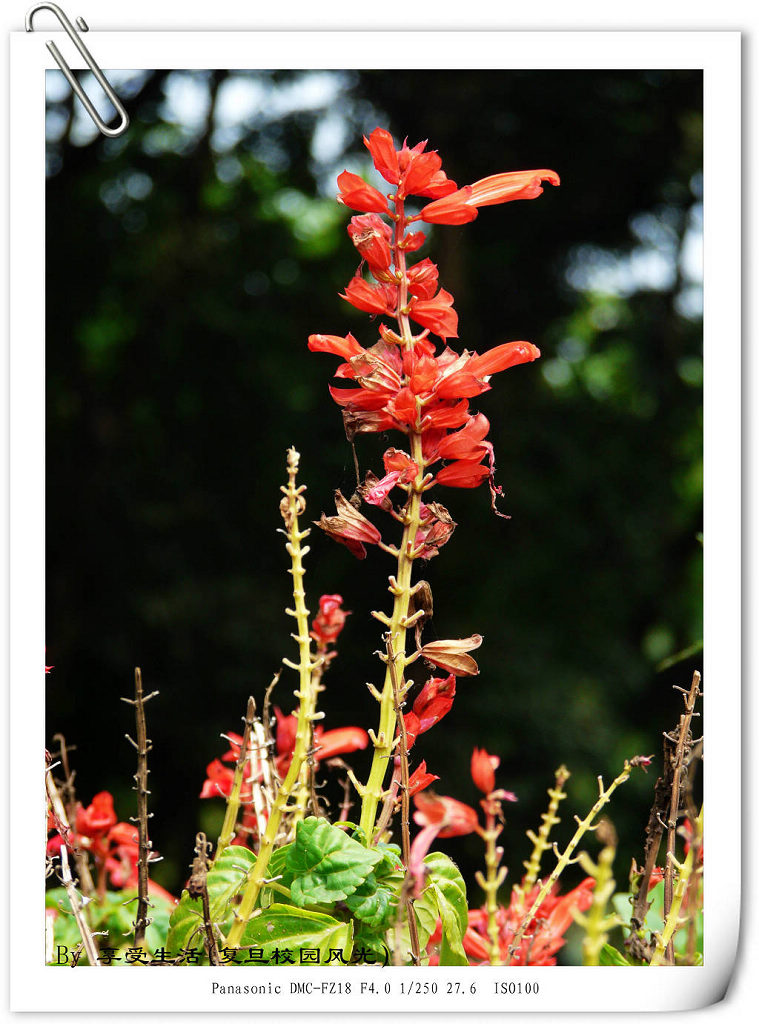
197,887
143,747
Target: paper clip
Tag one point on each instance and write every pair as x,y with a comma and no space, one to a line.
104,84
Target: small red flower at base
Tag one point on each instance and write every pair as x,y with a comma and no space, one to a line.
483,770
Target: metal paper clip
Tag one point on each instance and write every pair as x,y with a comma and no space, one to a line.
104,84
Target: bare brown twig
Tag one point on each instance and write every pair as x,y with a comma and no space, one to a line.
197,887
143,747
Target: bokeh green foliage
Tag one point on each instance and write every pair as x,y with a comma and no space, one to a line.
188,262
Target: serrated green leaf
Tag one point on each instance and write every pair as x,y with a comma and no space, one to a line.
446,876
291,928
372,903
610,956
451,949
225,880
326,864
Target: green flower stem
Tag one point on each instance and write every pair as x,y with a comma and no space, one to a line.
566,857
491,883
233,802
400,587
292,505
596,923
685,870
540,841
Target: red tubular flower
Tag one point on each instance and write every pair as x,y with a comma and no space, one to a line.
219,780
338,741
326,744
483,770
329,622
420,779
461,206
97,819
434,701
467,443
372,237
450,816
462,473
358,195
423,279
502,188
438,314
349,527
371,298
346,347
382,148
502,357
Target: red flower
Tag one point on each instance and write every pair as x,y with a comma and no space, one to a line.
346,347
449,816
326,744
372,237
328,624
437,314
358,195
543,938
371,298
420,779
219,780
461,206
349,527
97,819
382,148
435,530
483,770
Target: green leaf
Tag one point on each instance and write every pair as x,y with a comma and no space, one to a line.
326,864
225,880
449,891
610,956
291,928
372,903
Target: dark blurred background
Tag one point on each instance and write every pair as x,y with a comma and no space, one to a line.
189,260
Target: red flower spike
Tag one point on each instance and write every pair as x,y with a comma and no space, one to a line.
483,770
358,195
382,148
452,817
438,314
